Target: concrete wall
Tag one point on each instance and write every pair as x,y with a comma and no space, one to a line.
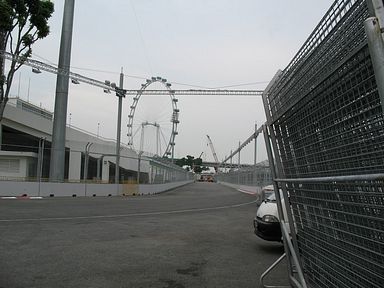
75,165
24,159
45,189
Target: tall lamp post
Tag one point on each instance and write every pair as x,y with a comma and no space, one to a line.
120,93
57,164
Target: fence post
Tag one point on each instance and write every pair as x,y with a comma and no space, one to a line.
276,188
40,161
238,167
290,247
376,50
378,10
255,157
1,135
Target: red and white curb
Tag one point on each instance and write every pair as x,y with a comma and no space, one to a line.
21,197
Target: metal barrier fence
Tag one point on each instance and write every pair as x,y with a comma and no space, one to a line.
254,176
325,128
250,176
162,170
92,164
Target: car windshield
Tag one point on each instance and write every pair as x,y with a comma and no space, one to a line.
271,198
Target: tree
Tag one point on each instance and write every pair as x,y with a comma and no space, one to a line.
198,166
192,164
22,23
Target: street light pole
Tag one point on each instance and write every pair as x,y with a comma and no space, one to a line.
57,164
255,157
120,93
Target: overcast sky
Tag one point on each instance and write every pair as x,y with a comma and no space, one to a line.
202,43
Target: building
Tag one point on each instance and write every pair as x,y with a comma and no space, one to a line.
26,135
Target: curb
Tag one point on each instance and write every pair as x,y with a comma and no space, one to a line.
247,192
21,197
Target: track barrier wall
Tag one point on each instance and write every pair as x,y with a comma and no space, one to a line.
90,172
47,189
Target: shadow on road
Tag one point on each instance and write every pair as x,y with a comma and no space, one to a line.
270,247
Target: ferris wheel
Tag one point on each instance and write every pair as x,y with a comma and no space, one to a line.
156,118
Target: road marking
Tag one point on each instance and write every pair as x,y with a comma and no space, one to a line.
130,215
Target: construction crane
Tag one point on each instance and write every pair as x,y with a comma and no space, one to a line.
213,152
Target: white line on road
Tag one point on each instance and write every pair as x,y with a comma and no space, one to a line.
130,215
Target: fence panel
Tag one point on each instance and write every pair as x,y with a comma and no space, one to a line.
326,122
257,177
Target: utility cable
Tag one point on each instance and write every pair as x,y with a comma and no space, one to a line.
141,37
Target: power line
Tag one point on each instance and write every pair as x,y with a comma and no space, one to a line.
243,84
141,37
45,59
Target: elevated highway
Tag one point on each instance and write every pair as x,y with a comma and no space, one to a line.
226,165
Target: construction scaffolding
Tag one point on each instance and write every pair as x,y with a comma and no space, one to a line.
325,135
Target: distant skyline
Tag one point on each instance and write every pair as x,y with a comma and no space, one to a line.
231,44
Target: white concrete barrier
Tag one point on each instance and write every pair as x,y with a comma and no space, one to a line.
47,189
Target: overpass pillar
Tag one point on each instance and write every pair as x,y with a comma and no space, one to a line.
74,165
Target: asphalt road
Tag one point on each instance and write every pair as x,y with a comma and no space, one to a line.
199,235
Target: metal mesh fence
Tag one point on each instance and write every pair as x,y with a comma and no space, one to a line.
340,226
30,162
258,177
162,170
325,117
